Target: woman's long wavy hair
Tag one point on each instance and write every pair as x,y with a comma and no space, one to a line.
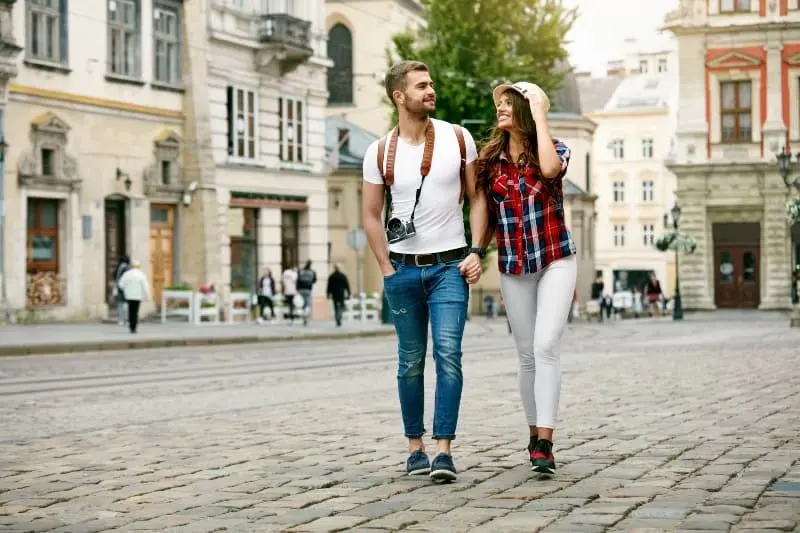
497,143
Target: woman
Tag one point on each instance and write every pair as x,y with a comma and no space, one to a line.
136,288
520,168
266,292
653,292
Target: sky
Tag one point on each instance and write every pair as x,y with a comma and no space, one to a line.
598,34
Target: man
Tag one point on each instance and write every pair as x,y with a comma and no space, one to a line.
306,279
427,264
338,291
136,288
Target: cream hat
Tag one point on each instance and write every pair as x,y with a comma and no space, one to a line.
522,87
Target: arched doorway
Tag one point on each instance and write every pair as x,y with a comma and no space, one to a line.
116,225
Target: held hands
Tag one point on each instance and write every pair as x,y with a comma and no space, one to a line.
471,268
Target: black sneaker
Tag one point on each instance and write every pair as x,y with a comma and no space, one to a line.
542,457
418,463
532,447
442,468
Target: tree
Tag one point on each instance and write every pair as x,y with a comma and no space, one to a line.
473,45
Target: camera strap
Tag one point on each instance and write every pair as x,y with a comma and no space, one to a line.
424,168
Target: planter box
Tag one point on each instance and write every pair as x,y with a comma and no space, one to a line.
206,306
181,304
239,306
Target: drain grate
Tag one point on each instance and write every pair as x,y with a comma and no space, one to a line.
786,487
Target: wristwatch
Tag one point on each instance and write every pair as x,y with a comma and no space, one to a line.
480,251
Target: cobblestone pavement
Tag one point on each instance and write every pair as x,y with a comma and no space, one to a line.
665,427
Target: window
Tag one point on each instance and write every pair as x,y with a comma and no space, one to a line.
619,236
291,136
662,65
736,111
46,22
619,191
647,148
166,172
344,140
42,239
242,123
166,43
48,162
340,76
643,66
123,38
618,149
290,231
588,172
734,6
648,191
648,234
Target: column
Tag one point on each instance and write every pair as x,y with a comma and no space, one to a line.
269,241
696,281
776,265
774,131
138,238
692,128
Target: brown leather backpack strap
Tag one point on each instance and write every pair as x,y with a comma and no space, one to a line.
390,156
462,147
381,154
427,154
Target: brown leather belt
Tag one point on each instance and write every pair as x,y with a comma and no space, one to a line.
424,260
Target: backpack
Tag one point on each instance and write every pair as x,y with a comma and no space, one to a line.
388,174
305,279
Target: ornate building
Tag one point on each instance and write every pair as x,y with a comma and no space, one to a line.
739,68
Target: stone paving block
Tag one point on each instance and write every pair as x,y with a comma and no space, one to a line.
761,525
401,519
647,525
331,524
516,522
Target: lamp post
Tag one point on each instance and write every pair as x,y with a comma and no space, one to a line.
785,167
677,308
3,285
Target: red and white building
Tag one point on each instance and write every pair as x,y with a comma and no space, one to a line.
739,104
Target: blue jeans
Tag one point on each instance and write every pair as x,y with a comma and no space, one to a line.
415,295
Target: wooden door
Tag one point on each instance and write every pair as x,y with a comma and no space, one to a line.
115,242
737,272
162,229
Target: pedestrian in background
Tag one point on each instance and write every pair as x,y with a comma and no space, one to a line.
306,279
119,296
136,287
266,292
338,291
654,293
289,282
521,169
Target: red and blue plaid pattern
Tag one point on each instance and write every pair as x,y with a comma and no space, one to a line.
529,213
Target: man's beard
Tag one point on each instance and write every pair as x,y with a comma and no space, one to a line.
419,110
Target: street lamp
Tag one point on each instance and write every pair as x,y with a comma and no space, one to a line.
677,308
785,165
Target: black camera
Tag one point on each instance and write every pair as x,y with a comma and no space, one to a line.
397,230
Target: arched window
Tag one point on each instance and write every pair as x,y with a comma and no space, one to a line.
340,76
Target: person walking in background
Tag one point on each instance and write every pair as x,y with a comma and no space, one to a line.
521,170
119,295
338,291
306,279
653,293
289,281
266,293
136,287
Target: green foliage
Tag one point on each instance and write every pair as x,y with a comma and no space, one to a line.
473,45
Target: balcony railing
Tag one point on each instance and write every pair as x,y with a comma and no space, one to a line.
284,29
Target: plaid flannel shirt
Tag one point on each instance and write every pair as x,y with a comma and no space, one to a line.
529,216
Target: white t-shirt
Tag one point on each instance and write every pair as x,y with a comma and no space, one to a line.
290,281
439,220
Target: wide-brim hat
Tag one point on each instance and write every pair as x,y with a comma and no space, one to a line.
523,88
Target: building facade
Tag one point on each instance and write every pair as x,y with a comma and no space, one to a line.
94,122
635,127
265,98
359,33
739,66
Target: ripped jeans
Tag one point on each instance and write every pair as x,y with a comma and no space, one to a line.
418,295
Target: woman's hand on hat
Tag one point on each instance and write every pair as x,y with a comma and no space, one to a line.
537,104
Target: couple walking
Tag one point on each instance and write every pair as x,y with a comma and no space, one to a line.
421,171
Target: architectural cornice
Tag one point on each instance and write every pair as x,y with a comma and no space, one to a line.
704,29
720,167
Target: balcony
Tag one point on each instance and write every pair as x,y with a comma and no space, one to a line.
286,40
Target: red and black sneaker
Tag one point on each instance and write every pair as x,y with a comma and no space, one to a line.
542,457
532,447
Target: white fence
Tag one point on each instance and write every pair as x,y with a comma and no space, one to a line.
362,308
195,307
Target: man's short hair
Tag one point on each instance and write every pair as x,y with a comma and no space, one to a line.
396,77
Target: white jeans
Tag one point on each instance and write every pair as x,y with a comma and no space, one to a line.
538,306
